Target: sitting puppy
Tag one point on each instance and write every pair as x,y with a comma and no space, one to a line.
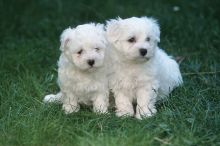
143,73
82,69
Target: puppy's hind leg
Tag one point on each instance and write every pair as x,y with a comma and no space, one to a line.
169,74
53,98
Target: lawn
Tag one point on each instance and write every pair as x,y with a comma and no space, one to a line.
29,42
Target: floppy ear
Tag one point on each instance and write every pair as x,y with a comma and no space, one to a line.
113,30
65,38
155,29
101,32
154,26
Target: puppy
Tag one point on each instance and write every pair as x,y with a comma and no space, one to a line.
143,73
82,69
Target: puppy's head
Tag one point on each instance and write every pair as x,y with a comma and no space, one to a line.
84,46
134,38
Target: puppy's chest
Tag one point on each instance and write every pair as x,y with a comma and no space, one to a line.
87,85
82,84
132,78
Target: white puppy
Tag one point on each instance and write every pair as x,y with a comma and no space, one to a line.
82,69
143,73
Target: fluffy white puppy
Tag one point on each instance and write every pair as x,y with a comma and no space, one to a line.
82,69
143,73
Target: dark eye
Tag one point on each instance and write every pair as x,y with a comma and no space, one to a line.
80,52
148,39
97,49
132,40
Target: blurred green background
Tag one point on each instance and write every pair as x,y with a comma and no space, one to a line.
29,42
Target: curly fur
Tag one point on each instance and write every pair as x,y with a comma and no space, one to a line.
139,77
80,82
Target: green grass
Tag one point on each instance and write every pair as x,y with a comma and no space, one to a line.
29,42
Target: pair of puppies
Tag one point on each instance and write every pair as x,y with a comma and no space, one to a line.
125,58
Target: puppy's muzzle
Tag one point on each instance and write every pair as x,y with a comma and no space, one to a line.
91,62
143,51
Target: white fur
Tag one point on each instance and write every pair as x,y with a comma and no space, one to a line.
136,78
79,82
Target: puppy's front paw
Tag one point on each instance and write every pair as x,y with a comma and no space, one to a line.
141,114
68,108
103,110
124,113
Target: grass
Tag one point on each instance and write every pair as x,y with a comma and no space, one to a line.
29,43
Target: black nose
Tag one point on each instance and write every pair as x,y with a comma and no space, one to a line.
91,62
143,52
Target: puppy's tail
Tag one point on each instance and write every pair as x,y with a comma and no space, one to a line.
51,98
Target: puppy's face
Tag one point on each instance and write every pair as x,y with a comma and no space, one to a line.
134,38
84,46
